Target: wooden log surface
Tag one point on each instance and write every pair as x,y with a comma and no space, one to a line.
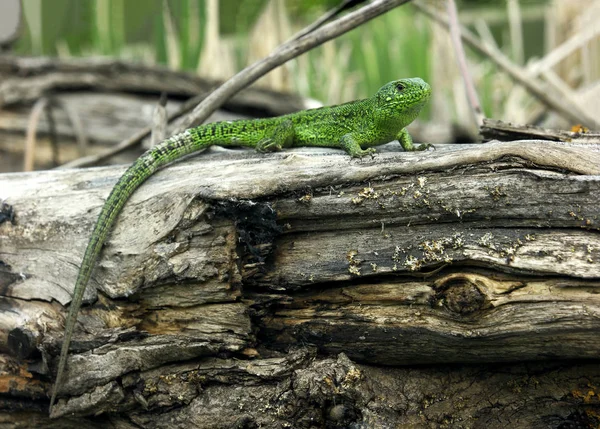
220,266
493,129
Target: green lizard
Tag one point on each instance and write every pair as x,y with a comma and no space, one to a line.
355,127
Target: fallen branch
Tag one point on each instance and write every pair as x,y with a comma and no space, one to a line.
498,130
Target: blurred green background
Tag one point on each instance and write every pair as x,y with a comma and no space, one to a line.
176,33
217,38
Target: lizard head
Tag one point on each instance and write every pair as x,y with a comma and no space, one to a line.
400,101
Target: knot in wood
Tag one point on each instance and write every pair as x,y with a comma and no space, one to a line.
460,294
22,342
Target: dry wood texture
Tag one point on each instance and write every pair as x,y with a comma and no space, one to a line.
28,79
499,130
240,290
104,117
95,103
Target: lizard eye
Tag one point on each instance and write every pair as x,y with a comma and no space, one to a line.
399,87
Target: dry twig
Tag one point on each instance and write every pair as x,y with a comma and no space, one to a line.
75,120
159,121
461,58
132,140
32,126
284,53
492,129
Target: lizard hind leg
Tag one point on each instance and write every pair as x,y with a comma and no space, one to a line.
282,137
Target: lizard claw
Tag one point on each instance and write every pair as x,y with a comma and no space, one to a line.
368,151
268,145
371,151
426,146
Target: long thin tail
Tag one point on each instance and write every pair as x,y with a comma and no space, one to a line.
166,152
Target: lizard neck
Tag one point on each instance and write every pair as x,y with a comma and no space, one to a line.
396,122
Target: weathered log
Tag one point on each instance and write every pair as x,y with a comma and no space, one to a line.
493,129
300,390
104,117
100,101
221,265
24,79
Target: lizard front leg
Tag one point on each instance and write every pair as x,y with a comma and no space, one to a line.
407,144
351,145
282,137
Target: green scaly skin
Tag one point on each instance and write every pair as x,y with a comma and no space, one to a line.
355,127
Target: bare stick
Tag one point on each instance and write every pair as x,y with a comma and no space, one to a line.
503,131
132,140
564,49
462,63
347,4
52,132
34,119
159,121
78,129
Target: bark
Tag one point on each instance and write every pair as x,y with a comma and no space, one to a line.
494,129
305,289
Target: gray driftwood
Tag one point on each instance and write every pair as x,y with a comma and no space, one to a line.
94,102
103,118
304,289
493,129
25,79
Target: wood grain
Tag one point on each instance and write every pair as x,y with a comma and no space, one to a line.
221,266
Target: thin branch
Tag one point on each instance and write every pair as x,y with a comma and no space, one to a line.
560,86
485,34
345,5
159,121
566,109
52,132
132,140
543,67
498,130
461,58
75,120
564,49
32,126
